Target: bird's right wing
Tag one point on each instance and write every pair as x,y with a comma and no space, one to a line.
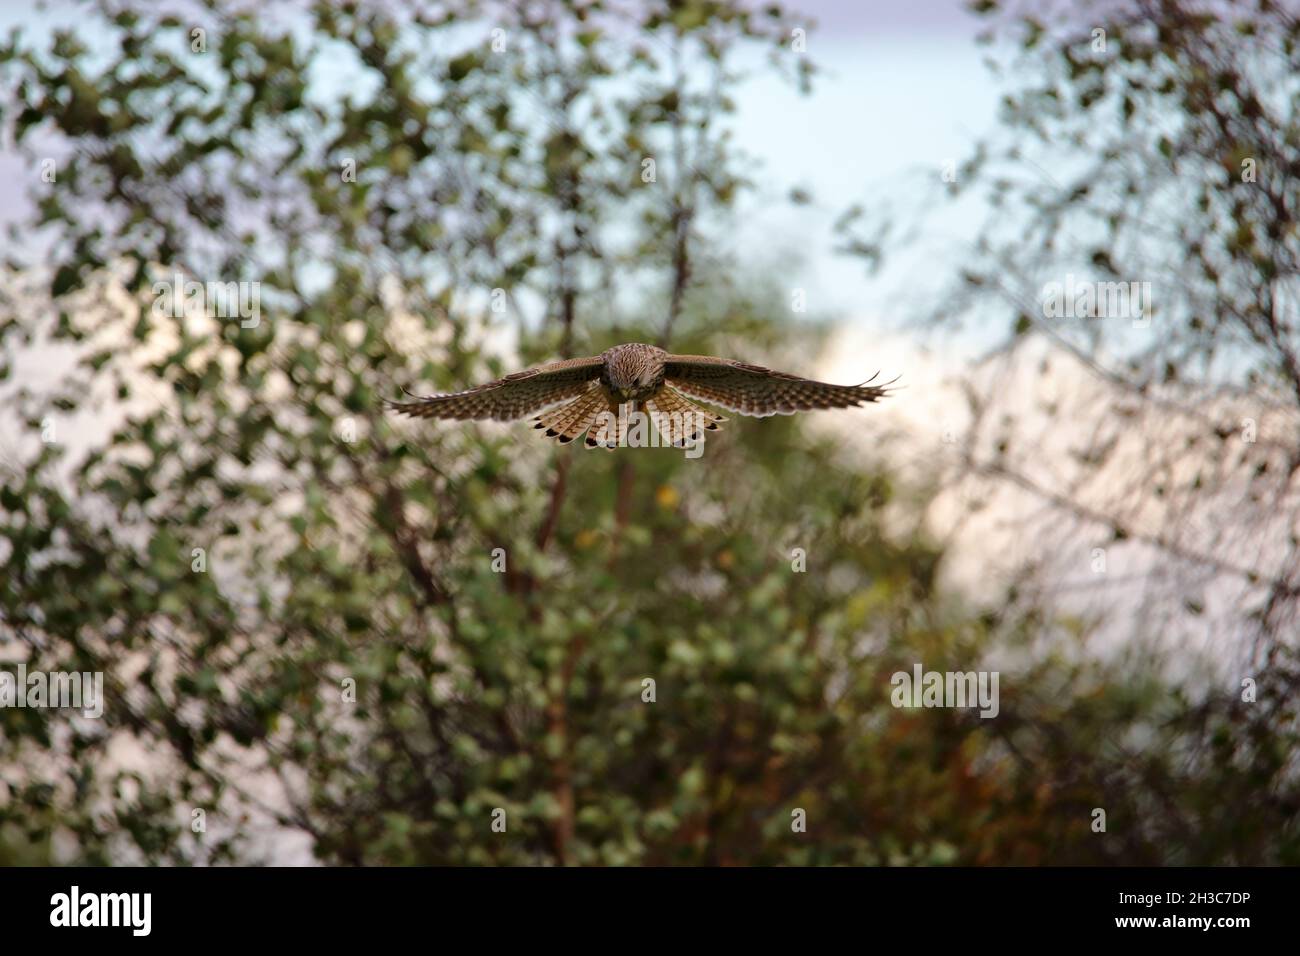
514,396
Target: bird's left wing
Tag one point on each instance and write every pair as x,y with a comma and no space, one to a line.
514,396
757,391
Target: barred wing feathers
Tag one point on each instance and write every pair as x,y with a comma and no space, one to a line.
757,391
515,396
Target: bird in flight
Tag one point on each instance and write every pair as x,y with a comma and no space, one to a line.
593,396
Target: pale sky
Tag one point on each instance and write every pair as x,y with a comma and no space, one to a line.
902,91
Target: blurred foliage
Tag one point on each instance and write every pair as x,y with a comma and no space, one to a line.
341,550
1148,145
1171,128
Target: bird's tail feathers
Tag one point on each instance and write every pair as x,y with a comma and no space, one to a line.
566,422
606,424
680,421
610,427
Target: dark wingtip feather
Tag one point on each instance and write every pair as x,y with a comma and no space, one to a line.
399,407
402,408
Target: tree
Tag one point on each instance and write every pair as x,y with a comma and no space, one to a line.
1135,287
429,644
1142,254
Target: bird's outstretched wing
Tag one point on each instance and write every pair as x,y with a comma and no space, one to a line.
757,391
514,396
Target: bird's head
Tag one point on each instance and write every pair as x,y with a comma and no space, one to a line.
631,371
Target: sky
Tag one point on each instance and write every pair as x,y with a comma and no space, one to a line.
903,90
886,115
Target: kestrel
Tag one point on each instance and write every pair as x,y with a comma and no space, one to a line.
593,396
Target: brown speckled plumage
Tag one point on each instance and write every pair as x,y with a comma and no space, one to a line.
642,377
